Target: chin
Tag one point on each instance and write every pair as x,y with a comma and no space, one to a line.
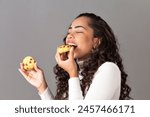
79,57
76,56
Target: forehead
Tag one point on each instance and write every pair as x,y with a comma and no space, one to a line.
81,21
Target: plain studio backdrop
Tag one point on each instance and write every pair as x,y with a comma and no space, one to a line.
37,27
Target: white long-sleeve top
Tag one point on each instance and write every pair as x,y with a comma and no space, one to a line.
106,85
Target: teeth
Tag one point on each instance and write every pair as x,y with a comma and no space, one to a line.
72,44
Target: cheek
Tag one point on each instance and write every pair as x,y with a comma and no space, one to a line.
85,44
83,50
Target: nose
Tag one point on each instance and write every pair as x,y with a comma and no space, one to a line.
69,36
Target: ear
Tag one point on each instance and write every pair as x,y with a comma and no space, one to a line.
96,42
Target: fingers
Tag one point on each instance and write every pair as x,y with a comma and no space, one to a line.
36,67
27,74
21,66
71,53
62,57
23,73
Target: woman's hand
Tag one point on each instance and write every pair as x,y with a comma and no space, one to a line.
34,77
69,65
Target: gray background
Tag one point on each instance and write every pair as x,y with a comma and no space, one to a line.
36,27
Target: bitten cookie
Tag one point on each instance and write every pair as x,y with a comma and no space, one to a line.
28,63
63,48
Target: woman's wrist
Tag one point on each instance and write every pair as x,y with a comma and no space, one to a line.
73,74
42,87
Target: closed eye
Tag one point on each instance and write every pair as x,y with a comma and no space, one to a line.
75,32
79,32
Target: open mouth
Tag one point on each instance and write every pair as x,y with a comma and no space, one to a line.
72,44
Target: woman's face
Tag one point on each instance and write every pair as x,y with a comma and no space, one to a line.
81,34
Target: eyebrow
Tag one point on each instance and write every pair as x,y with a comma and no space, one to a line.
78,27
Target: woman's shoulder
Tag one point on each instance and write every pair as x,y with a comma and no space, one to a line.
108,71
109,66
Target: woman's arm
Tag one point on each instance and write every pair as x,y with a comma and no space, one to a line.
46,95
75,92
37,79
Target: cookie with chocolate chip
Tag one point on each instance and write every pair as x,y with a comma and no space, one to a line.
28,63
63,48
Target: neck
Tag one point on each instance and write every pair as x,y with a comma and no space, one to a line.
80,62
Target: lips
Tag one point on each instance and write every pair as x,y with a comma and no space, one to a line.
72,44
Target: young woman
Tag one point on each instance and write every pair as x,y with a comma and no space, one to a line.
94,68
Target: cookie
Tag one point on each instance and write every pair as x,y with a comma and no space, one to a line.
28,63
63,48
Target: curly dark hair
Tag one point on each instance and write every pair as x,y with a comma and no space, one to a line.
107,51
